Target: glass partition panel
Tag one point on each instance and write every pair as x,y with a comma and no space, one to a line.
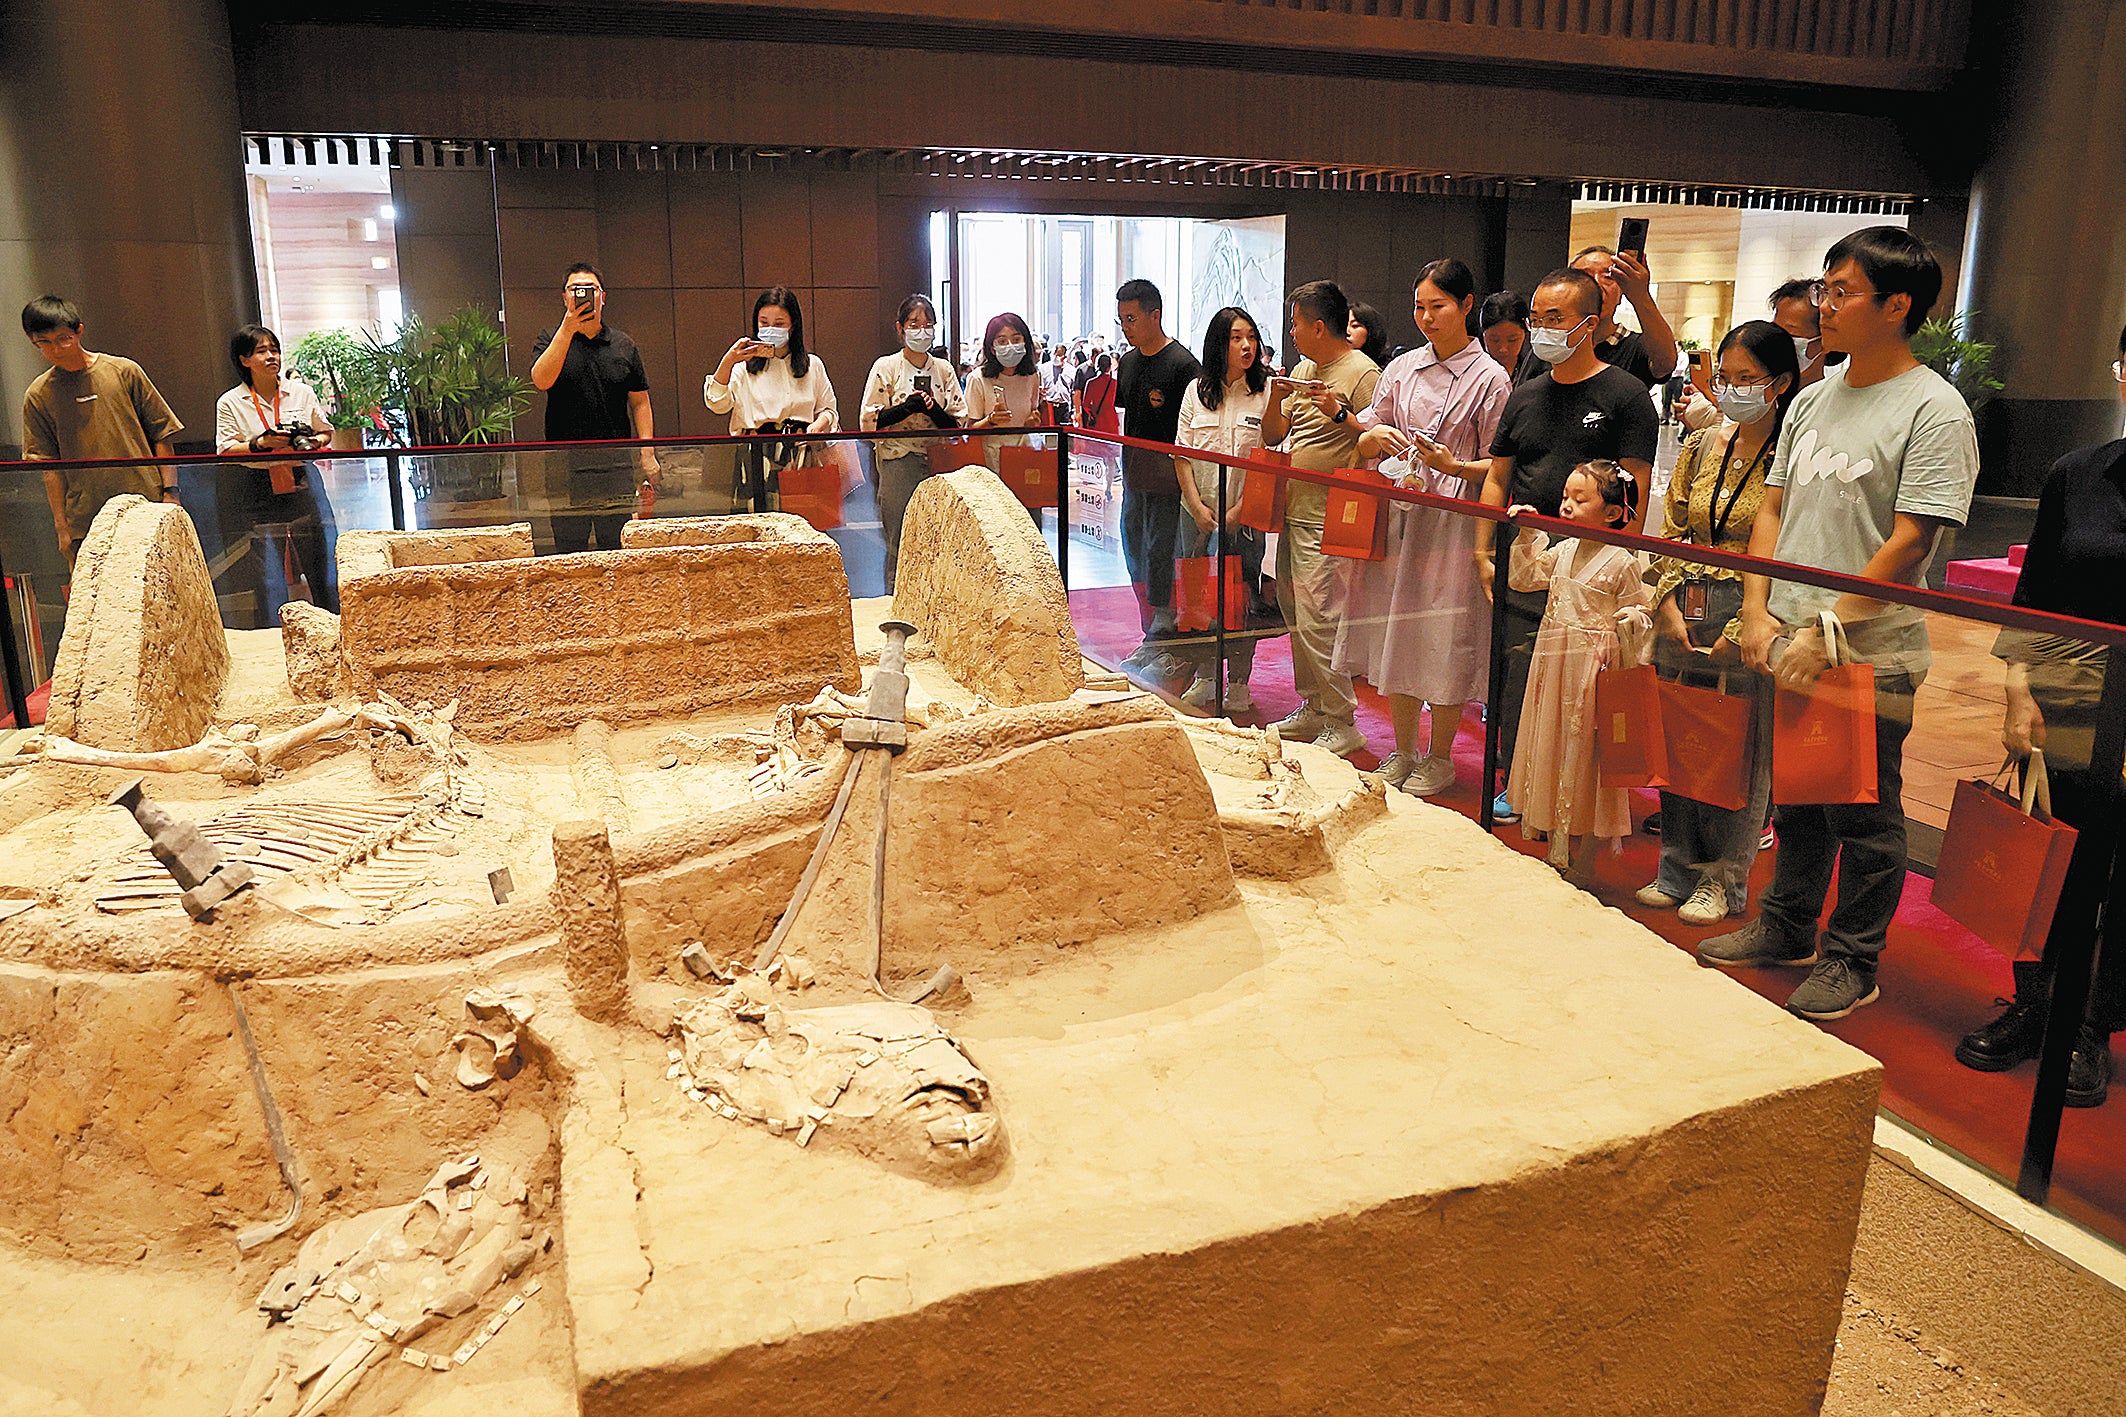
34,580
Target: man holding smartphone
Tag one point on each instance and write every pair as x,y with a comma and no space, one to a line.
1649,357
596,390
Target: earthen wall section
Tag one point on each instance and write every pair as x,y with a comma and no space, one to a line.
532,646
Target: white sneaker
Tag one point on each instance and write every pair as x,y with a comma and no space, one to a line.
1201,694
1238,699
1654,896
1342,739
1301,725
1707,904
1431,777
1396,769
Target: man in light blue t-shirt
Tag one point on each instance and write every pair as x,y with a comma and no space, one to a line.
1873,462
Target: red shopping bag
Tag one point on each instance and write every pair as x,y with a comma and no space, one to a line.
2003,861
814,492
952,454
1031,475
1707,732
1355,524
1823,740
1196,593
1262,497
1629,748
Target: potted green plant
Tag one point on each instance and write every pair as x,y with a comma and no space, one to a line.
1945,346
451,380
348,381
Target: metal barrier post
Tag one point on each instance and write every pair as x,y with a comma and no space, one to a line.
2070,962
1501,553
398,493
1218,573
18,693
1063,505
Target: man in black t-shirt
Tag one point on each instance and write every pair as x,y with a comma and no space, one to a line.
1154,375
595,390
1578,410
1649,357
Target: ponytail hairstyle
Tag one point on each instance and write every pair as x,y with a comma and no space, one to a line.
1773,348
1619,488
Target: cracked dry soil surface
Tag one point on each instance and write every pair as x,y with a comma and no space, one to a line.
1882,1370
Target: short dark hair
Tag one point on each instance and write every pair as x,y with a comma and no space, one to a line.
1619,488
244,343
582,268
1502,307
913,303
1448,277
1324,300
49,312
1795,288
784,299
1896,263
1590,290
1142,292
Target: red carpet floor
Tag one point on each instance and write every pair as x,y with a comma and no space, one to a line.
1938,980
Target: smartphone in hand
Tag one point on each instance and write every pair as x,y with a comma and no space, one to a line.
1631,236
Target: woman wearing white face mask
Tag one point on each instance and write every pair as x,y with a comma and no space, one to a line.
908,389
1005,391
1706,851
769,383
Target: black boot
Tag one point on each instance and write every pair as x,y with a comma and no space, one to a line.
2017,1035
2089,1075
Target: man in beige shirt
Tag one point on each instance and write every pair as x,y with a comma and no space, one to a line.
1316,408
90,406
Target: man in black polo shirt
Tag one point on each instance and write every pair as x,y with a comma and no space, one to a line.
1577,410
595,390
1649,357
1154,375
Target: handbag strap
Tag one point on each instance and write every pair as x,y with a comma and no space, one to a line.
1837,650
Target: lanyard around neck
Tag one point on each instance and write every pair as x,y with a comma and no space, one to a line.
260,409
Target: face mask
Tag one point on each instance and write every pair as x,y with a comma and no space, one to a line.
1552,346
1744,405
1801,352
1009,355
919,341
773,336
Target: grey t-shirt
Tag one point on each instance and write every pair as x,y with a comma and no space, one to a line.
1850,460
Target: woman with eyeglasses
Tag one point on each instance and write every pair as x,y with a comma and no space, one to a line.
1707,851
2075,565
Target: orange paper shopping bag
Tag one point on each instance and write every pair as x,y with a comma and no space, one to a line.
1823,738
1262,496
1356,522
814,492
2003,861
1196,594
1707,732
1030,473
1629,748
952,454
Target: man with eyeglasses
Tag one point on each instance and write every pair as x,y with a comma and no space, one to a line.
1579,410
1873,462
1650,356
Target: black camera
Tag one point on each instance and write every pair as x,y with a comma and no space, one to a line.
300,435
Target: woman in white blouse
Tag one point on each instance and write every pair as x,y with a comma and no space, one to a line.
279,503
1222,413
768,383
1005,389
910,388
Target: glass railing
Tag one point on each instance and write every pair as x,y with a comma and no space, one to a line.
1860,785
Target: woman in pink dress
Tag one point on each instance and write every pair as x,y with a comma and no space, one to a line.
1417,625
1596,619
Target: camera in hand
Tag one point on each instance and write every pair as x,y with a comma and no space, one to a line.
300,435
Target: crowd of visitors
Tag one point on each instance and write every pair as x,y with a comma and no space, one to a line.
1815,437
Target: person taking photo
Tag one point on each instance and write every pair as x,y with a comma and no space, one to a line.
596,390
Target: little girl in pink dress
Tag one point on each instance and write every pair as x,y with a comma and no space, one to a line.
1596,619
